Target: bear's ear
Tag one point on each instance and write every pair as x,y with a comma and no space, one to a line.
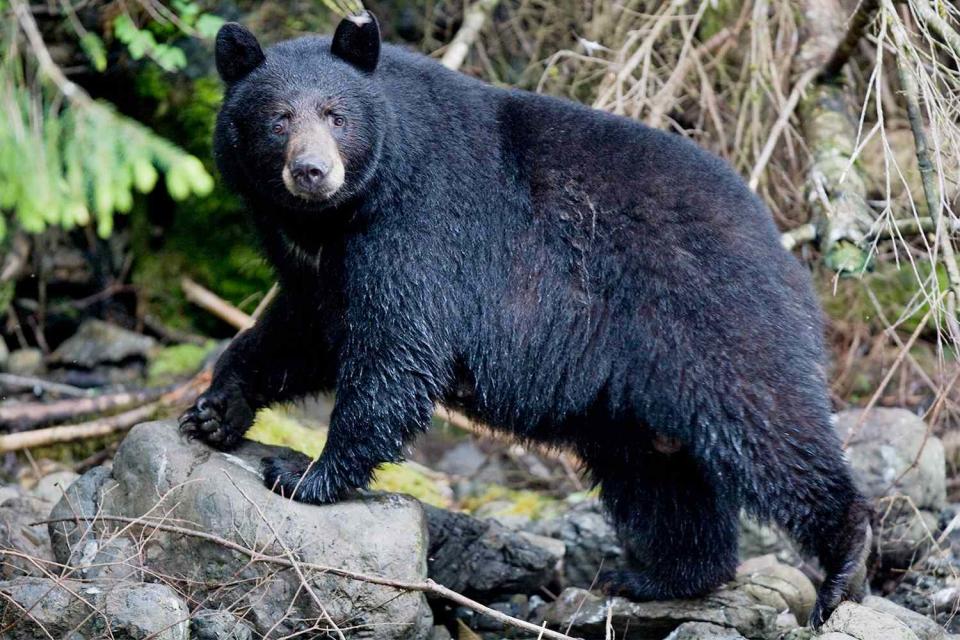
237,52
357,40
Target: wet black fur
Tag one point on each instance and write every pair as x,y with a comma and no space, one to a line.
590,282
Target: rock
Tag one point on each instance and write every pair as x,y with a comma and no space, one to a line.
463,459
763,602
758,539
81,499
4,354
16,534
923,627
904,535
123,611
214,624
25,362
587,614
865,623
97,342
223,494
50,488
893,453
483,559
778,585
440,633
703,631
589,539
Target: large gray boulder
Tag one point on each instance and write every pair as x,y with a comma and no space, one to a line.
158,474
33,608
893,453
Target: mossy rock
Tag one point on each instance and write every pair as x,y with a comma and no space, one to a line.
496,501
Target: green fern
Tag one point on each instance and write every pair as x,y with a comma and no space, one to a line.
75,162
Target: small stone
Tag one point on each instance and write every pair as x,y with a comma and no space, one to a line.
25,362
217,624
440,633
72,609
52,486
778,585
16,535
589,539
703,631
463,459
864,623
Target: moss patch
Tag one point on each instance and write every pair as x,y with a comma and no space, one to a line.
177,361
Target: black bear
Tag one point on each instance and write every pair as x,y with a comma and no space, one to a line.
571,276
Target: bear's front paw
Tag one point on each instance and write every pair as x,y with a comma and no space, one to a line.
298,477
220,418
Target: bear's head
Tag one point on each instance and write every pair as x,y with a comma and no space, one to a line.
301,125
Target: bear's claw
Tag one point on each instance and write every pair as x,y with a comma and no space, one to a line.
219,418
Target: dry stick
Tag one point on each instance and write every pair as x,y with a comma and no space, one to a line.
72,91
213,303
267,299
936,22
425,586
931,190
30,383
69,433
473,19
16,258
858,23
835,187
30,414
785,114
182,394
665,98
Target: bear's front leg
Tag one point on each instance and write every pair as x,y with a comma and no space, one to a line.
266,363
371,421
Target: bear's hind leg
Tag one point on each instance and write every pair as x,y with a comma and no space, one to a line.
679,532
803,483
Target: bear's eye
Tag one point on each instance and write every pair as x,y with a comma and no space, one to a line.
279,127
337,121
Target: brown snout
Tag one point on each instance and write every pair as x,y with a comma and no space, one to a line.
309,172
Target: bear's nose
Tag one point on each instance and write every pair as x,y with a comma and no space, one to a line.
308,172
